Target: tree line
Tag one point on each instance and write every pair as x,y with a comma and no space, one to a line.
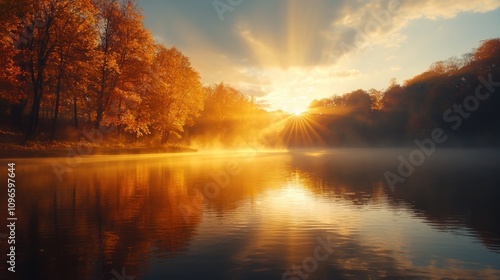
93,62
460,95
70,64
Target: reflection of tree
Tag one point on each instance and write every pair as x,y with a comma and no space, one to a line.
355,176
453,189
459,190
113,209
128,212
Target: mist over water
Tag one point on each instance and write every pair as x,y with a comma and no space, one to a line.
259,215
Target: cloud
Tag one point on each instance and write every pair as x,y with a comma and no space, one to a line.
297,33
303,33
277,50
379,22
254,90
345,73
392,57
445,8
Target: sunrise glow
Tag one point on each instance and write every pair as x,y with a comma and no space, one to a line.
238,139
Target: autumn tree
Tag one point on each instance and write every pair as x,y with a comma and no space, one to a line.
487,57
8,39
122,59
226,105
36,43
487,49
229,116
69,68
49,34
175,94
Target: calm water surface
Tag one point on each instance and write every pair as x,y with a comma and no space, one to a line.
266,215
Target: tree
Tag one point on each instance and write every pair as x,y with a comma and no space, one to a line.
123,57
231,117
76,42
10,70
226,106
487,49
360,102
52,36
175,94
487,58
36,46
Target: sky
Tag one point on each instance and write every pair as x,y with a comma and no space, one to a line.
287,53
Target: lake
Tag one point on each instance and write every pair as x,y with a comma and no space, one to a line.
311,214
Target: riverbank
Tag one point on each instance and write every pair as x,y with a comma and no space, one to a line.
12,146
17,151
46,150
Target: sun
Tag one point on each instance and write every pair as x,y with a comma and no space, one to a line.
298,112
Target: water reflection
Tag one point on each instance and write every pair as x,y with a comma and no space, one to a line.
260,216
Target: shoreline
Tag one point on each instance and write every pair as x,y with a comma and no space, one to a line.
60,152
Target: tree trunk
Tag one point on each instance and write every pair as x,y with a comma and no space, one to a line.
102,90
165,136
99,112
75,116
56,114
58,98
34,115
17,111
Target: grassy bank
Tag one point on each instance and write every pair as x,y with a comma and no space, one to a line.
16,151
12,146
63,150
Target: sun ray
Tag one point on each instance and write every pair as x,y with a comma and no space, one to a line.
302,131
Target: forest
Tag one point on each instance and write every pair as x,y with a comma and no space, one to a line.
69,66
459,95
